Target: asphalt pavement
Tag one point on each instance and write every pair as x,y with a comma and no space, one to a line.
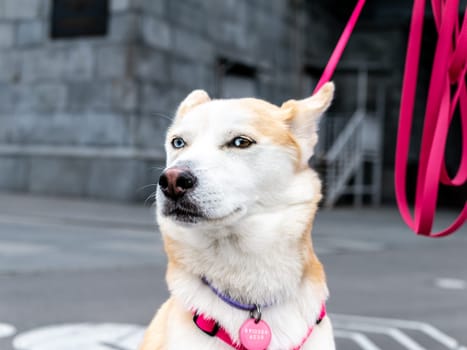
88,275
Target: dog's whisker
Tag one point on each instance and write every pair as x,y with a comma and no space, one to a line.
146,186
162,115
152,196
156,168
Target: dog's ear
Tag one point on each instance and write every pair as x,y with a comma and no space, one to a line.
195,98
303,118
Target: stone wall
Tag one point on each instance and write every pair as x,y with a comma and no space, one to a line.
86,116
68,107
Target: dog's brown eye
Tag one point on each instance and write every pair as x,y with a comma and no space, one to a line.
178,142
241,142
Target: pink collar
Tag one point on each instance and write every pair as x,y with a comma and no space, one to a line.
213,329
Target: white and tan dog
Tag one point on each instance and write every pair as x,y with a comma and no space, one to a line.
235,206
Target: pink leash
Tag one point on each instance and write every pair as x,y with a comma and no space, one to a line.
449,69
341,44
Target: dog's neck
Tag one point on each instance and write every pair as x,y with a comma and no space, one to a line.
252,262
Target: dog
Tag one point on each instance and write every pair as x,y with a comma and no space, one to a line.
235,206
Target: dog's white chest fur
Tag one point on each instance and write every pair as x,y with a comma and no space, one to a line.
235,205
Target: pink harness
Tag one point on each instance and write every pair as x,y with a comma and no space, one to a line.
213,329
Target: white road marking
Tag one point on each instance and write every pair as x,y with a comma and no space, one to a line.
6,330
106,336
425,328
451,283
394,333
359,338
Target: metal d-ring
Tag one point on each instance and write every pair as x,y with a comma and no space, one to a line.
256,313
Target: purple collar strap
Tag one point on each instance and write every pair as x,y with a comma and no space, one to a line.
232,302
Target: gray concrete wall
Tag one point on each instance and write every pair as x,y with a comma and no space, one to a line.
86,116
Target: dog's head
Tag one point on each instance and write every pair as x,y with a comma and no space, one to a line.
227,159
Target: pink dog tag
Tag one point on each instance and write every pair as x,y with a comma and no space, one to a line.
255,335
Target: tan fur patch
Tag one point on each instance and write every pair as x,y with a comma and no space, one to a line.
173,250
313,269
270,122
155,336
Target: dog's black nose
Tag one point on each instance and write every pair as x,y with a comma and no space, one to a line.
175,182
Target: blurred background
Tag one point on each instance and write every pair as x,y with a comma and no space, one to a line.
87,90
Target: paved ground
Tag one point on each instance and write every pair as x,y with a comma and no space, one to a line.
95,270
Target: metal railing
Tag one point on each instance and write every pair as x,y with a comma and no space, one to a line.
344,158
346,145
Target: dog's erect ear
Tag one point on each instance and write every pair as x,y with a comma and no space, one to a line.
195,98
303,118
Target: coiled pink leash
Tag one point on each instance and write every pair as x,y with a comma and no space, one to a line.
449,71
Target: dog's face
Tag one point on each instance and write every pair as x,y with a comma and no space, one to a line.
227,159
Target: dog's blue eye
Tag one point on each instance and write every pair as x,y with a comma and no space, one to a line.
241,142
178,142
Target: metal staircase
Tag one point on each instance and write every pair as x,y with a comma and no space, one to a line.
349,146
